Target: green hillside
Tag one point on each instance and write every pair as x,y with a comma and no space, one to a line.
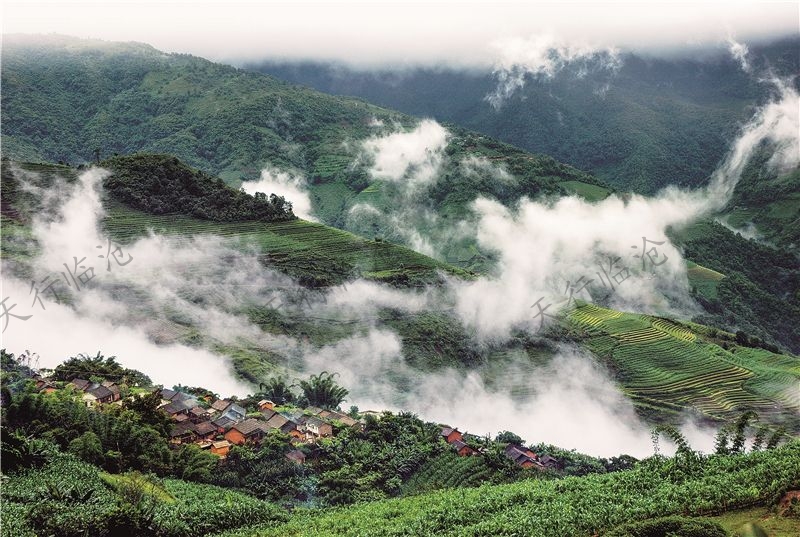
666,366
653,120
576,507
72,100
745,285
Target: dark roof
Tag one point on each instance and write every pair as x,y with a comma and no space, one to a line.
446,431
277,421
181,429
101,392
172,408
267,414
224,422
250,426
235,411
459,444
288,426
180,417
81,384
167,394
314,410
198,411
311,420
220,404
204,427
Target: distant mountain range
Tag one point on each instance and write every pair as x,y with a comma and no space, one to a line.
641,125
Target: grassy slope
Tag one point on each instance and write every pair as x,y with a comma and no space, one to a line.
572,506
760,291
666,366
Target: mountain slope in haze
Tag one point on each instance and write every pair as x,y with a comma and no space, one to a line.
665,367
72,100
640,126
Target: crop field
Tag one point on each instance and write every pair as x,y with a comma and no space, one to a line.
703,279
448,471
299,246
586,190
670,365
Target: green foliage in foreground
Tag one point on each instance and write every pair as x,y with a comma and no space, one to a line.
67,497
670,527
571,506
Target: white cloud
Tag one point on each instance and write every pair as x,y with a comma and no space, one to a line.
291,186
543,55
411,157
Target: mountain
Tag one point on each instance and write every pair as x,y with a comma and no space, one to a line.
637,123
76,101
342,153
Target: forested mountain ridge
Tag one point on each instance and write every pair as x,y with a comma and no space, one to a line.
648,122
77,101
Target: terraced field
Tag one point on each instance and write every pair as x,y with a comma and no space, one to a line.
670,366
299,247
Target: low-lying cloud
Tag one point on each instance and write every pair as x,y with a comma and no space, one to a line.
544,56
411,157
292,186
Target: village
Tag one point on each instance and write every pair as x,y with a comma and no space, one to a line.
217,425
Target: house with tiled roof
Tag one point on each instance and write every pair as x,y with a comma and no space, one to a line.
251,430
462,448
205,430
80,384
450,435
220,448
522,456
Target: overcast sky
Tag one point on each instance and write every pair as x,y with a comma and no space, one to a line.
375,32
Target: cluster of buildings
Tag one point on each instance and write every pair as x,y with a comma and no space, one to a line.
225,423
521,455
217,425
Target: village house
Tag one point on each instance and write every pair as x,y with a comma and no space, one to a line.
46,386
317,427
97,394
234,412
205,430
115,390
199,414
182,433
251,430
266,404
344,419
548,462
220,404
267,414
223,424
450,435
522,456
462,448
80,384
220,448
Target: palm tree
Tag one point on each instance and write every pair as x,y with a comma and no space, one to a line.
321,390
278,390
